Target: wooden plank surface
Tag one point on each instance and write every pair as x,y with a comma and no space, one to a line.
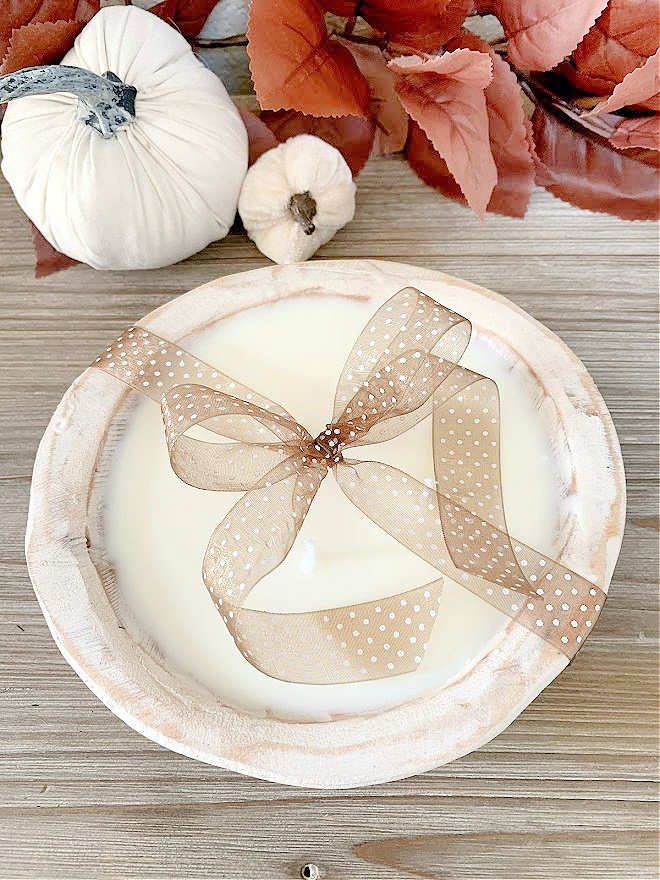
569,790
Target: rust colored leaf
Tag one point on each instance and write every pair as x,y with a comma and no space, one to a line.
351,135
391,120
415,24
507,131
510,141
445,96
40,42
15,14
446,26
584,170
296,66
48,259
392,16
639,88
429,165
452,20
260,137
542,32
642,132
623,37
186,15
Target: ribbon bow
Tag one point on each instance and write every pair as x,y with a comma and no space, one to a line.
403,368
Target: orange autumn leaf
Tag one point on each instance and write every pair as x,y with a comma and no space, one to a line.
188,16
641,87
541,33
445,96
429,165
351,135
509,135
296,66
48,260
623,37
642,132
260,137
440,31
390,118
507,132
451,21
409,24
40,42
393,17
15,14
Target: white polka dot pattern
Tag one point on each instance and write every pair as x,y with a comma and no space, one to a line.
403,367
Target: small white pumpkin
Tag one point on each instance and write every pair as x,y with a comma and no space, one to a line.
295,197
137,167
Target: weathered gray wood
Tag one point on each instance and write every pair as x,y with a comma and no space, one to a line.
567,791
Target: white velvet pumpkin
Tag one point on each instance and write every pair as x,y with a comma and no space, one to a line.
161,187
295,197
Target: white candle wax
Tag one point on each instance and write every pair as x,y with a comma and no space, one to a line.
157,527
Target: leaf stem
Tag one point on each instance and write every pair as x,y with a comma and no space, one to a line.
541,94
242,40
236,40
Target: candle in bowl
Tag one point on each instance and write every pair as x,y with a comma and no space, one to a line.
157,527
115,540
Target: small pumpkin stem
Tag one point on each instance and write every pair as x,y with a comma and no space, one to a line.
104,102
303,208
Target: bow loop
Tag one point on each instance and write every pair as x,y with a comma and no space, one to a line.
398,394
266,438
408,320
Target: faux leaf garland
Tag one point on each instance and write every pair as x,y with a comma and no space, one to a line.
483,154
374,77
468,136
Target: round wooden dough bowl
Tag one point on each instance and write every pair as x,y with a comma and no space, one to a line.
74,581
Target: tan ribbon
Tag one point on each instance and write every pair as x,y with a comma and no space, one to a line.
403,368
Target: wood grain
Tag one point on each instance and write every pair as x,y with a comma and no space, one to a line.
569,790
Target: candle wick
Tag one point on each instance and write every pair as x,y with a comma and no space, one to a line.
308,562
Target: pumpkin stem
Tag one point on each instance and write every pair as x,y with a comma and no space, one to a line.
303,208
104,102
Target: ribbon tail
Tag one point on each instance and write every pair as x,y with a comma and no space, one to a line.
547,597
358,642
560,609
255,536
152,365
361,642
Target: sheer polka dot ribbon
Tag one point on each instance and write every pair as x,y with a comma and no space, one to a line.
404,367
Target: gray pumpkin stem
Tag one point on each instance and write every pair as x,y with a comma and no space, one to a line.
303,208
104,102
